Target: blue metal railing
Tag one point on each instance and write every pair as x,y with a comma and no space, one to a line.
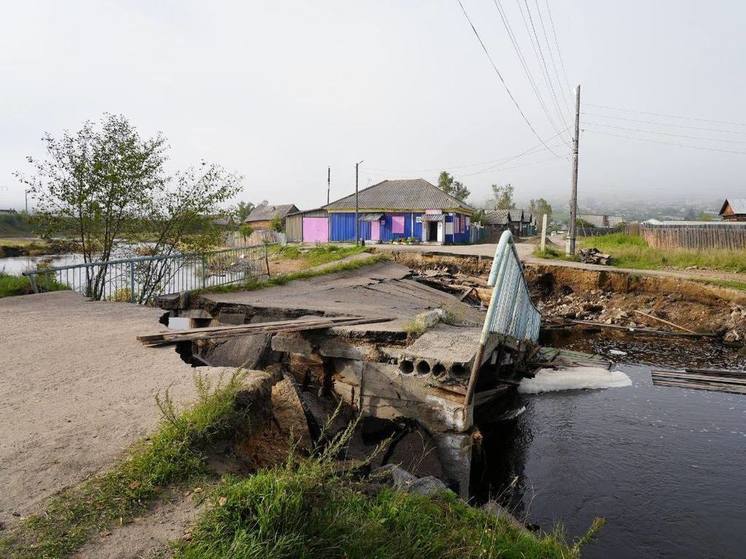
142,279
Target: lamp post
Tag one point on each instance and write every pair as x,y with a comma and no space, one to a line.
357,206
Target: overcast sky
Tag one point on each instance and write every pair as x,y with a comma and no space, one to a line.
277,90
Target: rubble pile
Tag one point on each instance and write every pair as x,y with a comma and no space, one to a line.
594,256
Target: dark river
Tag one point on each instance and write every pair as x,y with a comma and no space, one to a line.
666,467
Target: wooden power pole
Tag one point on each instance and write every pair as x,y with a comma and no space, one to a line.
574,196
328,183
357,206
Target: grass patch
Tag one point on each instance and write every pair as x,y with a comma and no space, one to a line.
175,453
629,251
321,254
253,283
21,285
729,284
552,253
310,510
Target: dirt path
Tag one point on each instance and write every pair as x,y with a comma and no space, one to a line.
77,389
525,252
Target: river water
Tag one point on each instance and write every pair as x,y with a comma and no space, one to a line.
665,466
16,265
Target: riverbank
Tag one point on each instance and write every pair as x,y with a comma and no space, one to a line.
35,246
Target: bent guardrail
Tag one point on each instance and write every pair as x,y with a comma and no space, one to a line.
141,279
511,312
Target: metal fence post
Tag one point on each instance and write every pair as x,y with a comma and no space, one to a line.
132,282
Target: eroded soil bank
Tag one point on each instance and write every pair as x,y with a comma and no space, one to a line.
611,307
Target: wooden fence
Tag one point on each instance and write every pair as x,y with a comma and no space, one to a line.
695,236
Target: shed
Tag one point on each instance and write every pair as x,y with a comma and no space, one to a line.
261,216
733,209
310,226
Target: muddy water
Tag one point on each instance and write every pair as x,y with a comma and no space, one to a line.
664,466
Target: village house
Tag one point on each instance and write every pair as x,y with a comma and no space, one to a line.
402,209
733,209
261,216
520,222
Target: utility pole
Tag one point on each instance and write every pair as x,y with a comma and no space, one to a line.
25,192
328,183
357,206
574,197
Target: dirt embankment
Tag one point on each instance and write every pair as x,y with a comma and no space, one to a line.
619,298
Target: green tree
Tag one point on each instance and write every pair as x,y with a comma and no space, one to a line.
276,224
503,196
449,185
111,184
242,211
540,207
245,230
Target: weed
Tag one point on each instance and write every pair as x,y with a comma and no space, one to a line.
21,285
174,454
281,279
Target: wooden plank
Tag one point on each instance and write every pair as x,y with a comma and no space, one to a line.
730,389
666,322
695,377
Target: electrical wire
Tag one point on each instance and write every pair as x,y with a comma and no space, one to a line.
538,148
531,30
502,80
524,64
556,44
551,56
666,143
669,124
667,115
666,133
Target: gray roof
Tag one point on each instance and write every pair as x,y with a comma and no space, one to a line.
266,212
496,217
738,205
401,194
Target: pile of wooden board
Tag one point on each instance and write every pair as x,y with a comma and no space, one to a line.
718,380
296,325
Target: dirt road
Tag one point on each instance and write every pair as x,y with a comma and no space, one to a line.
77,389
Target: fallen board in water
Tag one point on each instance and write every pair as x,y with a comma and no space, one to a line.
717,380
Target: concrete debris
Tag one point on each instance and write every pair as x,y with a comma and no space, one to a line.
594,256
401,479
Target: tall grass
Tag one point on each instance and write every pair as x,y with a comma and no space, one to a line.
175,453
310,510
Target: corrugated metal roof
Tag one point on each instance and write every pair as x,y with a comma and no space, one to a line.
401,194
738,205
268,212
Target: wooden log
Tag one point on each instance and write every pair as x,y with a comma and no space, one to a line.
640,330
729,388
666,322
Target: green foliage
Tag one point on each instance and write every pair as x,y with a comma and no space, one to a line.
21,285
242,211
281,279
109,184
309,510
503,196
16,225
580,222
449,185
245,230
276,224
175,453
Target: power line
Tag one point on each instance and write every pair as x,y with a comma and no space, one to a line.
540,57
551,56
495,162
667,115
669,124
502,80
522,59
666,143
556,44
667,133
